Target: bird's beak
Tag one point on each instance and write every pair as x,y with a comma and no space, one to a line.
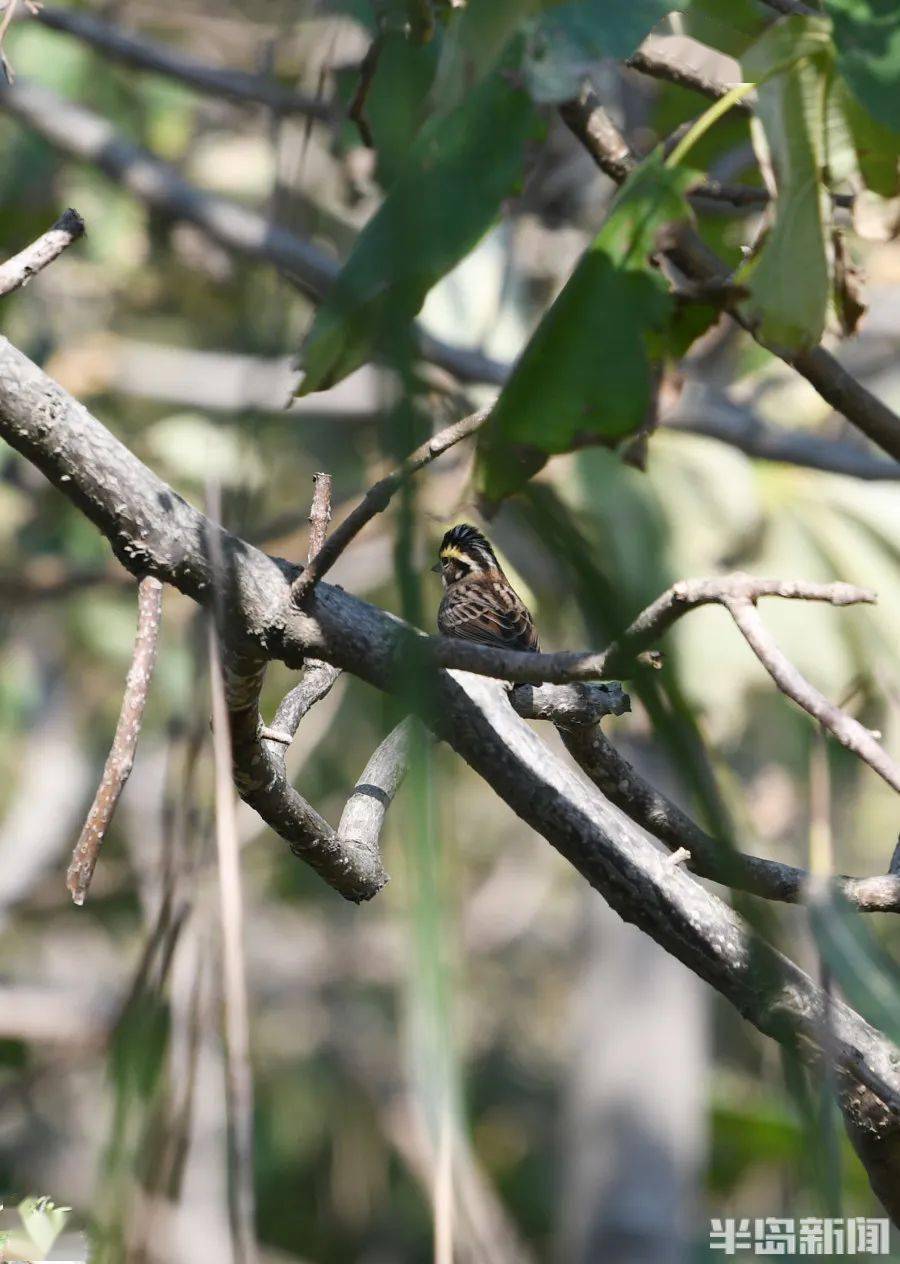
436,569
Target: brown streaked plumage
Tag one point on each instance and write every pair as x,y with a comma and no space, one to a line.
479,602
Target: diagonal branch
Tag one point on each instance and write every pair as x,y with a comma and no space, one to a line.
707,856
145,54
84,135
657,66
151,529
379,496
120,759
849,732
19,270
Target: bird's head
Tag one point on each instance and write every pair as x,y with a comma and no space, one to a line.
464,552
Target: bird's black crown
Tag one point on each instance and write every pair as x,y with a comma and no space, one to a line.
469,540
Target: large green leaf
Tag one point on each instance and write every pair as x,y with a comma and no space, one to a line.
789,279
458,172
867,34
587,370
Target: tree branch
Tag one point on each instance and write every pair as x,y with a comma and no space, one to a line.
709,857
849,732
120,759
379,496
659,67
740,429
152,530
145,54
79,133
19,270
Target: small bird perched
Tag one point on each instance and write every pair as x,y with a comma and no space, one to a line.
479,602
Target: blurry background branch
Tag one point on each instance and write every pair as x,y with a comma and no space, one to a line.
145,54
87,136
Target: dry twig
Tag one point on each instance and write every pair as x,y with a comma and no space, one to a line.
849,732
19,270
117,768
379,496
234,981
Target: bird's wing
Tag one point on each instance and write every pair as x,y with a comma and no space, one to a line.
471,615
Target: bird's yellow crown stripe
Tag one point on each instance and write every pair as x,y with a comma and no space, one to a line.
451,551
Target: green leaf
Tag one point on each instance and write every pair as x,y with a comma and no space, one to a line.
587,370
789,279
867,34
474,43
868,977
572,36
877,146
726,25
458,172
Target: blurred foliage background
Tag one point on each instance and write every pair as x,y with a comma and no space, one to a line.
608,1101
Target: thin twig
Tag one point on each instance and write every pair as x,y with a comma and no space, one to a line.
379,496
19,270
658,67
589,121
117,768
241,1203
618,659
849,732
237,1022
316,678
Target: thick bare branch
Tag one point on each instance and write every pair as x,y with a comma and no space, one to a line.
117,768
82,134
379,496
145,54
849,732
19,270
591,124
707,856
363,817
152,529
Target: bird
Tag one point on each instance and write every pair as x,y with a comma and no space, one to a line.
479,603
